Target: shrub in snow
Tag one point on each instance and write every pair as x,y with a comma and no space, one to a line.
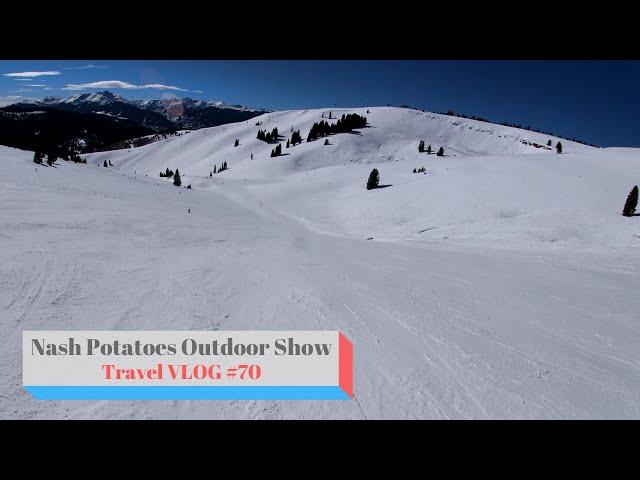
374,179
631,203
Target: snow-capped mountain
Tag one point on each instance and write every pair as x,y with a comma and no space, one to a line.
107,103
188,113
159,115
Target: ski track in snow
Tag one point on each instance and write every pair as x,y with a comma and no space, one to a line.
495,322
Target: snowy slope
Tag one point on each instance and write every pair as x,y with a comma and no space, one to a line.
393,135
527,309
489,189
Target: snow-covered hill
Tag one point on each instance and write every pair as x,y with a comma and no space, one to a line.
505,284
492,187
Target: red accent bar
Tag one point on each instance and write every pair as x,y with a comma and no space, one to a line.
345,364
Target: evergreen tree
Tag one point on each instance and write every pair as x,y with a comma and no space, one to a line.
414,170
214,169
296,138
177,181
237,143
374,179
421,146
429,150
37,158
549,143
287,143
631,203
210,174
326,142
105,164
559,148
440,152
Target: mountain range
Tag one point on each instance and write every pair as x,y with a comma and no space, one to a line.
94,121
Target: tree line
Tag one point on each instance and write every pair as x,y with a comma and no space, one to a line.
345,124
39,157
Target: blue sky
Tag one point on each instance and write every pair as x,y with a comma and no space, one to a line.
595,101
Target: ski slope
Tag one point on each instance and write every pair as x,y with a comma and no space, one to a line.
501,284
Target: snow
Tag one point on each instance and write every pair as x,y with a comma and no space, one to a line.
500,284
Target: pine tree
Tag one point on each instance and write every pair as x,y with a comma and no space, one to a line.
326,142
37,158
105,164
559,148
429,150
215,169
374,179
287,143
421,146
549,143
237,143
177,181
440,152
631,203
210,174
414,170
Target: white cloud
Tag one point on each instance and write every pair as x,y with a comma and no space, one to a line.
122,85
89,66
32,74
20,90
34,85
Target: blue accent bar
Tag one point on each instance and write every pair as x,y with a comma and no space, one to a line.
187,392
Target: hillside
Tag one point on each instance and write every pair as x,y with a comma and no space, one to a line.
490,188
